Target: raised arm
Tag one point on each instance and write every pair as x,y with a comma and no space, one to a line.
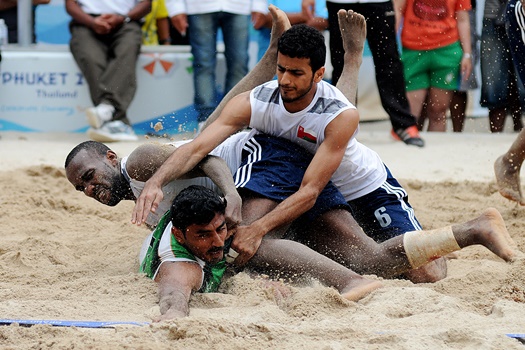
234,117
326,160
176,282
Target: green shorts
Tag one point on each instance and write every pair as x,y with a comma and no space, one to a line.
439,68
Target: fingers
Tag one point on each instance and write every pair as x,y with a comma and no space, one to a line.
239,257
145,204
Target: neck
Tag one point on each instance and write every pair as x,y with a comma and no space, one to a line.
125,186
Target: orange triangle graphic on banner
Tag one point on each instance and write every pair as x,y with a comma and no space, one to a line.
166,65
150,67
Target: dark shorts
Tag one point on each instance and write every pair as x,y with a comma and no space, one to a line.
273,168
385,212
516,33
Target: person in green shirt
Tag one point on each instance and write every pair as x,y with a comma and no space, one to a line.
186,254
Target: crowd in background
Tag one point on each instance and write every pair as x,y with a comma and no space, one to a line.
425,55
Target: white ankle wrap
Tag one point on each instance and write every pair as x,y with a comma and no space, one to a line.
422,247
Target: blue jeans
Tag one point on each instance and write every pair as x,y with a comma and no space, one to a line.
202,30
498,74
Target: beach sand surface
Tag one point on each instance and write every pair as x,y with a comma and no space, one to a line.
64,256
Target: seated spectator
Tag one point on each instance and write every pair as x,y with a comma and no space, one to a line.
105,42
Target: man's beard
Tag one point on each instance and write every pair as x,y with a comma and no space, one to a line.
119,189
293,99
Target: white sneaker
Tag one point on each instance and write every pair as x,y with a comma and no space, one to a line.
112,132
97,116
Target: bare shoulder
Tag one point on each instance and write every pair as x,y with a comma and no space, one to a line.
349,118
147,158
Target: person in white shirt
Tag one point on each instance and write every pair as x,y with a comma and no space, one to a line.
201,21
105,41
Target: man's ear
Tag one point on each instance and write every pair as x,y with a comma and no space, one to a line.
319,74
112,157
179,236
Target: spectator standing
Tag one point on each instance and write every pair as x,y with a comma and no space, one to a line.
105,42
156,27
9,13
295,16
202,21
436,52
458,105
502,91
381,37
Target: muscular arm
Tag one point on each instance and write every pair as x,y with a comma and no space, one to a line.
325,162
219,172
144,161
235,116
176,282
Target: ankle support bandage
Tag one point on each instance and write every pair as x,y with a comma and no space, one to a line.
422,247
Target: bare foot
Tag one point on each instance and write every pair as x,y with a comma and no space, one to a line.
264,70
359,288
508,180
353,31
280,24
490,231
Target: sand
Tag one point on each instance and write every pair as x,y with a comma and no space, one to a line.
64,256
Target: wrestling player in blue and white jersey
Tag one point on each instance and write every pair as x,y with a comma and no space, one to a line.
295,108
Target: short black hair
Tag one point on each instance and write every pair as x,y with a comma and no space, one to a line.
90,146
196,205
303,41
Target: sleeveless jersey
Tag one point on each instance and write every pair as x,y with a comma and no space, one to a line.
361,170
164,247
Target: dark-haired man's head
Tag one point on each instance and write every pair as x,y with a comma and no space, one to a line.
301,55
198,219
303,41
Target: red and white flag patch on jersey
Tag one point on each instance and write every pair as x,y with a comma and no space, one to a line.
306,134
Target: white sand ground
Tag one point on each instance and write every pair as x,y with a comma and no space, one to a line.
65,256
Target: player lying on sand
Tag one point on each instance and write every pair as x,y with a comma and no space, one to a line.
309,112
95,173
386,259
186,253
